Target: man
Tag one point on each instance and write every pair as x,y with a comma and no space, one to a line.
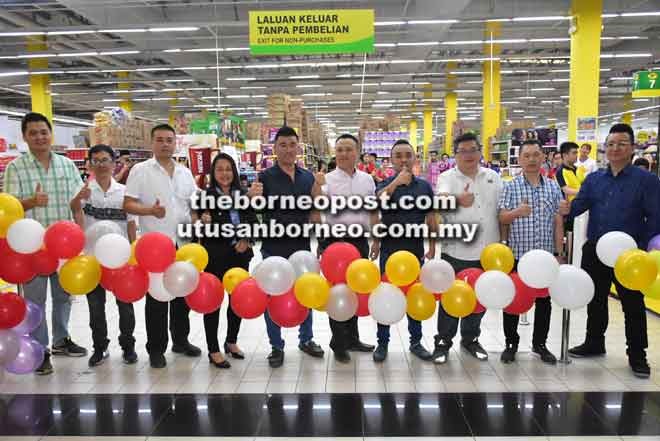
585,161
531,204
103,199
556,163
567,173
285,178
404,183
625,198
434,169
45,183
124,165
347,181
642,163
159,190
477,190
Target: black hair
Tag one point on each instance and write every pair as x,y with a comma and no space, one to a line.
466,137
401,141
124,152
98,148
642,162
348,136
34,117
236,180
566,147
535,142
623,128
555,154
167,127
286,131
373,155
332,164
586,144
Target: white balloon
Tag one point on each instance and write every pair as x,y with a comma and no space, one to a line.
157,290
304,261
573,288
98,230
495,289
342,303
610,246
25,236
112,250
180,278
387,304
275,275
538,268
437,275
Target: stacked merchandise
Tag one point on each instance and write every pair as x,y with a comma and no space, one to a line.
294,118
253,130
117,129
381,143
277,106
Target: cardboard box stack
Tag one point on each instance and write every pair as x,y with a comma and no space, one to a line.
253,130
277,106
294,118
129,133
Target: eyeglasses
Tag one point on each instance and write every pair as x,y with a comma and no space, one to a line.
621,145
104,161
468,152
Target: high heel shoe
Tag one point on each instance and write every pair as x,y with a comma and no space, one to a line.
239,355
224,365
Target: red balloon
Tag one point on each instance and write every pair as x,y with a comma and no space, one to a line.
470,275
335,260
208,295
64,239
438,296
286,311
363,305
247,300
12,310
130,284
155,252
4,246
44,263
524,298
16,267
405,288
108,277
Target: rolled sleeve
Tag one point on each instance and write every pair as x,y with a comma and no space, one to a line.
506,198
134,183
11,183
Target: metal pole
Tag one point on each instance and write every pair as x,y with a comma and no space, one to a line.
566,316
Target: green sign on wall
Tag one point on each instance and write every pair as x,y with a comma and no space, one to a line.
646,83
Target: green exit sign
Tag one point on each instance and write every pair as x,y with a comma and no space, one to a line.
646,83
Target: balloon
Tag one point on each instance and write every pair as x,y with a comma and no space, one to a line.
311,290
96,231
404,289
653,291
654,243
181,278
524,298
16,267
112,251
342,304
610,246
304,261
195,254
131,284
11,210
208,295
275,275
286,311
133,259
363,305
25,236
247,300
29,358
636,269
12,310
34,315
497,256
157,290
362,276
80,275
387,304
459,300
470,276
108,277
10,345
335,260
155,252
402,268
420,302
64,239
437,275
233,277
495,290
573,288
538,269
43,263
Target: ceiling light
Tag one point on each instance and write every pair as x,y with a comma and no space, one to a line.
640,55
119,53
542,89
432,21
182,80
527,98
463,42
119,31
365,84
175,29
621,78
550,101
172,50
548,40
389,23
9,57
20,34
307,86
79,54
304,77
151,69
387,83
385,45
240,79
545,18
639,14
73,32
419,43
253,87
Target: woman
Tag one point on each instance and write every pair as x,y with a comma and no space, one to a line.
225,253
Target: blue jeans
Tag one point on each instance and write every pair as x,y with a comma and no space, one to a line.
35,290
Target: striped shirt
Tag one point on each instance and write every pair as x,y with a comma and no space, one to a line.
61,182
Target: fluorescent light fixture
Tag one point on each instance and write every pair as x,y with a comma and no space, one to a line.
152,69
518,111
119,53
542,89
389,23
550,101
621,78
639,55
543,18
21,34
73,32
385,44
527,98
639,14
9,57
307,86
11,112
464,90
47,72
237,96
509,102
387,83
79,54
509,41
530,117
339,102
419,43
462,72
72,121
175,29
610,15
304,77
253,87
172,50
450,21
240,79
463,42
316,94
121,31
83,71
179,80
548,40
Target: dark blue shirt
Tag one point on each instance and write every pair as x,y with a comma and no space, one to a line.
628,202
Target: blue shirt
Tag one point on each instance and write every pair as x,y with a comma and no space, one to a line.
628,202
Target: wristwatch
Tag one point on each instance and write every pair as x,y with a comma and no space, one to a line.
504,242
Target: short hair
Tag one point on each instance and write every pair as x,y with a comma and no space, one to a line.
34,117
373,155
348,136
464,138
285,131
555,154
98,148
401,141
124,152
586,145
642,162
535,142
623,128
566,147
167,127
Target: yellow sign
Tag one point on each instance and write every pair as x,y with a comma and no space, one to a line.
311,32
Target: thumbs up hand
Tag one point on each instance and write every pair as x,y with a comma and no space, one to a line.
466,199
256,189
157,210
40,198
524,209
85,192
319,178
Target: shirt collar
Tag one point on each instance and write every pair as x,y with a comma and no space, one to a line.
480,172
524,178
346,174
114,185
34,158
626,170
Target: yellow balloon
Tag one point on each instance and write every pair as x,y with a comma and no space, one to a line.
195,254
362,276
581,173
421,302
497,256
459,300
402,268
312,290
233,277
11,210
80,275
636,269
653,291
133,260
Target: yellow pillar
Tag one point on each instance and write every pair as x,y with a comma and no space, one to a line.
491,90
126,104
173,113
40,84
413,134
585,66
627,105
451,107
428,122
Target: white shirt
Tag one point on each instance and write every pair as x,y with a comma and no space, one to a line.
340,183
148,181
589,164
487,187
106,205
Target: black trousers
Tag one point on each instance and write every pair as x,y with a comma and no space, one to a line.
632,302
155,317
99,325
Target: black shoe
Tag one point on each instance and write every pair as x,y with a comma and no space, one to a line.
69,348
129,356
97,358
509,354
311,348
187,349
276,358
475,349
380,354
420,351
157,361
586,350
441,351
361,347
342,356
46,367
543,352
239,355
224,364
640,367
